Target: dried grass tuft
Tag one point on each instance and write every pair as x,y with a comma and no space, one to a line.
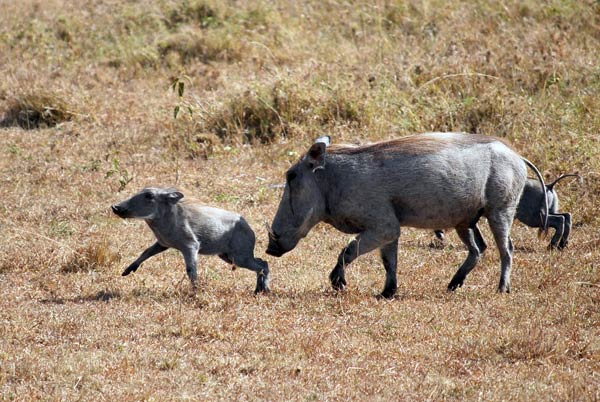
191,43
94,256
35,109
196,12
267,113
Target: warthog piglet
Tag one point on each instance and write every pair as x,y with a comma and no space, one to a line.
193,228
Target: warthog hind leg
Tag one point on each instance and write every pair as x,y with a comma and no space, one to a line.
468,237
260,267
500,227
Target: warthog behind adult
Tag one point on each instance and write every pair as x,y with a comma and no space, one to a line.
193,229
531,209
431,181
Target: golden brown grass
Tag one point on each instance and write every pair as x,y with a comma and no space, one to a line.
262,79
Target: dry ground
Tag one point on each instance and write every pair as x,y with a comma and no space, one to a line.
88,118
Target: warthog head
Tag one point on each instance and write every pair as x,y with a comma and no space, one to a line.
147,203
302,205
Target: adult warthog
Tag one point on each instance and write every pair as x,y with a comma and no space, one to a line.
430,181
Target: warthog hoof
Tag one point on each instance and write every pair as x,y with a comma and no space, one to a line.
130,269
455,283
388,293
337,282
262,287
437,244
504,287
264,290
262,281
560,247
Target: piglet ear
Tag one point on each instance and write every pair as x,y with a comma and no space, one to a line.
315,157
174,196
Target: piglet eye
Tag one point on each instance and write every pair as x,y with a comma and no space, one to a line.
149,196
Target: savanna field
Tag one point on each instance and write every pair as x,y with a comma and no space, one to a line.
99,99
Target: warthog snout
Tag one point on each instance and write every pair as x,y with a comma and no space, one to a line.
275,249
272,234
119,210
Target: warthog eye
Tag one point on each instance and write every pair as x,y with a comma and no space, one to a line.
149,196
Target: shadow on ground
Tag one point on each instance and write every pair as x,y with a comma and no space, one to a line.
101,296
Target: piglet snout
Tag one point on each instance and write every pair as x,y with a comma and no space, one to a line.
118,210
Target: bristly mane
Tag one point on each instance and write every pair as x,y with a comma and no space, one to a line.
415,144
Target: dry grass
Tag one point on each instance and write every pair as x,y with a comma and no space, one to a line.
263,79
31,110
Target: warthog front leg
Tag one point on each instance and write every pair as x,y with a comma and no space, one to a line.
190,255
562,226
389,256
149,252
558,223
564,241
365,242
337,277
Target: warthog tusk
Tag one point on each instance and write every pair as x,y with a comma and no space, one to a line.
270,231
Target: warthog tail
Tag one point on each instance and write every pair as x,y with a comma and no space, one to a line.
544,229
562,176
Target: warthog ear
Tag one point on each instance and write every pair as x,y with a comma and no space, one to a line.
174,196
315,158
325,140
